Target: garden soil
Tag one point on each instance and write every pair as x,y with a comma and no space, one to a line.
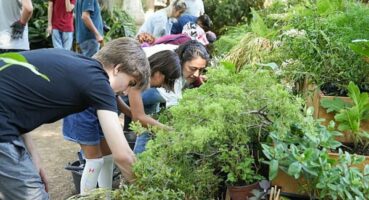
55,154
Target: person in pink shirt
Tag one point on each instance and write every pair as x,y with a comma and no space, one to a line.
60,23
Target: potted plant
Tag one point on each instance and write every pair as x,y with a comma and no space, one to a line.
239,166
351,116
306,157
344,181
300,155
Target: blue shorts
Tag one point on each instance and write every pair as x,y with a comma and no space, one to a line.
83,128
141,141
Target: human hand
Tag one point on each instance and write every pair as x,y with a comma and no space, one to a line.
48,30
100,39
101,43
203,78
17,30
44,179
168,128
199,81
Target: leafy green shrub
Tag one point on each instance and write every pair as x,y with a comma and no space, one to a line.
315,41
37,26
310,39
120,23
216,127
250,50
344,181
229,12
133,193
303,152
241,36
230,39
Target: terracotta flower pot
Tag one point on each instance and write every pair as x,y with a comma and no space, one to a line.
242,192
288,183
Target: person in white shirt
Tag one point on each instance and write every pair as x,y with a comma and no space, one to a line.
194,58
195,8
160,23
14,16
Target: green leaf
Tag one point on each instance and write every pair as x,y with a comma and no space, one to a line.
294,170
258,25
366,170
273,66
17,59
273,169
231,67
311,171
333,105
354,93
360,47
349,120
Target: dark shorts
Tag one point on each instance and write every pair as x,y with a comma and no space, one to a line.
83,128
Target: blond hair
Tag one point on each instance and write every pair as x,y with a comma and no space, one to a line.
127,53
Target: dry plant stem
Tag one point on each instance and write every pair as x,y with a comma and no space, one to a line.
262,112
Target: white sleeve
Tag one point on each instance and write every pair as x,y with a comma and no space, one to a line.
172,98
202,9
149,51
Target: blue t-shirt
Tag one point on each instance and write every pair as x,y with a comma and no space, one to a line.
28,101
82,32
183,20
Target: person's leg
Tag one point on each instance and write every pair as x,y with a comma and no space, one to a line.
89,47
57,39
141,141
92,168
83,128
67,40
19,178
105,179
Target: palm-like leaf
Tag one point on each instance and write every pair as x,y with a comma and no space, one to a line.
17,59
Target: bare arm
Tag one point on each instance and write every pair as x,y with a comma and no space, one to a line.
138,112
27,10
123,107
122,153
49,17
36,159
90,25
68,6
